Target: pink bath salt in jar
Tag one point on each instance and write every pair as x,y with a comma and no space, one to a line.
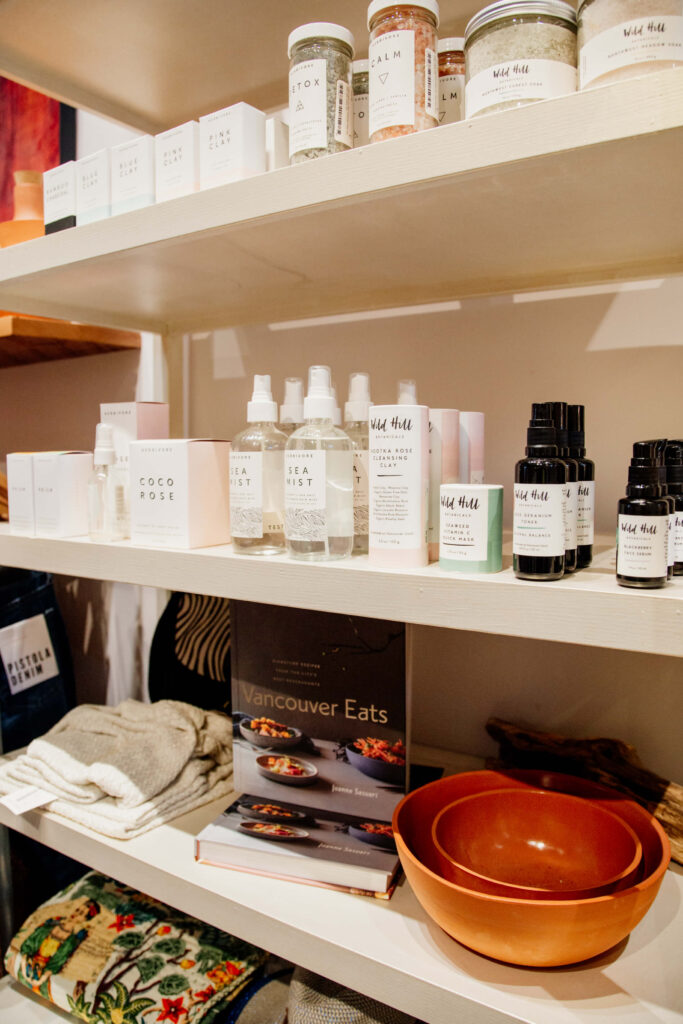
404,71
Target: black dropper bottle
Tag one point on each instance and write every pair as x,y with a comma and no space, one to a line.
538,526
659,447
673,460
559,414
586,510
643,524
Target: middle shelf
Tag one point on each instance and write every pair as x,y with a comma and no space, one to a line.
586,608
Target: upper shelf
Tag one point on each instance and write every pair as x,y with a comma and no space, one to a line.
156,64
580,189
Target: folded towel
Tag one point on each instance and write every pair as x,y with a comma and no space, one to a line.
123,770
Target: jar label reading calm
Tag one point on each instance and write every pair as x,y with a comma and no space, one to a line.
452,98
308,106
392,80
642,546
246,494
518,81
305,507
586,512
640,41
464,527
343,115
538,522
361,493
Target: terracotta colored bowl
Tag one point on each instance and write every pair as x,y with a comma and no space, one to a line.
534,933
534,844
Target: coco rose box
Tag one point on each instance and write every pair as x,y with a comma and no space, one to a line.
179,492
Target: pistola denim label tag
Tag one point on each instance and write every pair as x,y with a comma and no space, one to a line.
27,654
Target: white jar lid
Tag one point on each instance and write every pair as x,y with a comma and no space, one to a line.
451,43
360,67
381,5
510,8
319,30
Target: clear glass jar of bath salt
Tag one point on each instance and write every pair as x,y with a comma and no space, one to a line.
451,79
404,87
518,52
361,96
622,38
320,92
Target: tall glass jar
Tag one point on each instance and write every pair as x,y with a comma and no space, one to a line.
320,94
361,91
404,90
622,38
518,52
451,80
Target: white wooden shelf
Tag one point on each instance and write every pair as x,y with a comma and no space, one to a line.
586,608
580,189
389,950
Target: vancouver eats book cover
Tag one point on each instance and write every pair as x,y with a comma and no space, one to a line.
319,709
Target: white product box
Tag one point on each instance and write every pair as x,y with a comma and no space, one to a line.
444,461
59,197
60,481
277,143
471,448
132,174
232,145
179,496
93,187
134,421
22,513
176,162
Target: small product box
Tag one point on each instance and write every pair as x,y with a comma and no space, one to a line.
444,461
59,197
179,495
22,513
60,481
132,174
176,161
471,448
93,187
232,145
134,421
277,143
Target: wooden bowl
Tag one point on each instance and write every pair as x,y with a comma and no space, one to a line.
533,933
534,844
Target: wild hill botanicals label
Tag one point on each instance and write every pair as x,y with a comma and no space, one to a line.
642,546
398,478
639,41
305,505
246,494
518,80
27,654
538,521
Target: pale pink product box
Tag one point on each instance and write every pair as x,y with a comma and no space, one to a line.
179,495
471,448
444,463
134,421
22,512
60,481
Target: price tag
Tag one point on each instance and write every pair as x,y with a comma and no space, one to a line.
26,799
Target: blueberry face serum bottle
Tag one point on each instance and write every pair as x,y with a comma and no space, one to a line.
559,415
538,538
643,524
585,521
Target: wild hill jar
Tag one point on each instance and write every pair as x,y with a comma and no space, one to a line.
622,38
404,96
518,52
320,96
451,79
361,94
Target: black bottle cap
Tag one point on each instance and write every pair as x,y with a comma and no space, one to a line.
541,433
643,453
559,414
542,411
576,425
673,455
644,475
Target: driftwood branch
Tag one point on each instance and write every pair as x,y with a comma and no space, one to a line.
611,762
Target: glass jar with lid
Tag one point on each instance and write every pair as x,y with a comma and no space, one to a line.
451,79
518,52
622,38
320,96
404,94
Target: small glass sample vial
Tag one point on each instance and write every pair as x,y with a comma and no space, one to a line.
320,91
622,38
404,86
451,80
361,96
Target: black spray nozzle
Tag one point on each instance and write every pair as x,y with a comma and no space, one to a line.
576,426
644,453
541,412
673,454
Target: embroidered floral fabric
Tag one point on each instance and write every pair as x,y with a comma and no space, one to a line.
111,955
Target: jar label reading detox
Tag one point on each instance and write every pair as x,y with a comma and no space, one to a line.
518,81
639,41
397,493
392,80
431,83
308,106
586,512
464,526
361,135
361,493
246,494
538,522
571,514
343,115
305,510
452,101
642,546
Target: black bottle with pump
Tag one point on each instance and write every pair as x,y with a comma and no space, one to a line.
643,524
559,415
659,447
673,460
586,509
538,527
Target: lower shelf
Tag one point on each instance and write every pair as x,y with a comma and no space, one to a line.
391,950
